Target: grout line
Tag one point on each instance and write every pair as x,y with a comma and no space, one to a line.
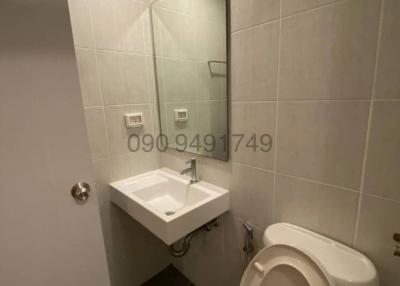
253,167
84,48
120,105
185,14
252,102
371,108
99,160
278,82
382,198
103,50
121,52
255,101
112,51
303,100
93,106
108,152
281,18
127,105
195,101
106,131
319,183
181,59
306,11
100,88
259,25
387,100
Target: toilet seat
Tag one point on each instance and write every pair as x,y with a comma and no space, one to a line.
284,265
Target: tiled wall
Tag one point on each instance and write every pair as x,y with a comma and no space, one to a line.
322,77
113,48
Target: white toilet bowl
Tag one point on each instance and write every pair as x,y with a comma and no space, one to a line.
294,256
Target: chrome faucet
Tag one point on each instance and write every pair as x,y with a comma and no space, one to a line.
192,169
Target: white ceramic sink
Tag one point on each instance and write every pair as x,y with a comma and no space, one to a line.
167,204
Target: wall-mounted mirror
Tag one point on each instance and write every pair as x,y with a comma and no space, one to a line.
190,47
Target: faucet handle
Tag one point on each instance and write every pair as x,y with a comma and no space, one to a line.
190,161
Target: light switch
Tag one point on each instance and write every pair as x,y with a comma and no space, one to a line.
181,114
134,120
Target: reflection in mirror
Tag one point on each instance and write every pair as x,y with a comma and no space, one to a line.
190,47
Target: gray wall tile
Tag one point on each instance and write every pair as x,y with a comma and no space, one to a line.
97,133
255,63
89,77
330,53
118,25
81,23
323,141
252,195
383,162
388,83
252,12
253,120
295,6
124,78
327,210
379,219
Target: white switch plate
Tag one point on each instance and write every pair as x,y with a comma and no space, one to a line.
181,114
134,120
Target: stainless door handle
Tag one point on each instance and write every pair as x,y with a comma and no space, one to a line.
396,251
80,191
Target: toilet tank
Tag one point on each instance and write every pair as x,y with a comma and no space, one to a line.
346,266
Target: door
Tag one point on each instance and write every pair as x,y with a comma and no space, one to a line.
46,237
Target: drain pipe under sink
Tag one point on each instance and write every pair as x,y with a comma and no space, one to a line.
188,238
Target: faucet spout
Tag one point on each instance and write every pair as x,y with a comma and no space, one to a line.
192,170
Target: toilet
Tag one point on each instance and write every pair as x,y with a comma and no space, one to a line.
294,256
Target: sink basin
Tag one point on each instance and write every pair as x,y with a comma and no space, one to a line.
167,204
